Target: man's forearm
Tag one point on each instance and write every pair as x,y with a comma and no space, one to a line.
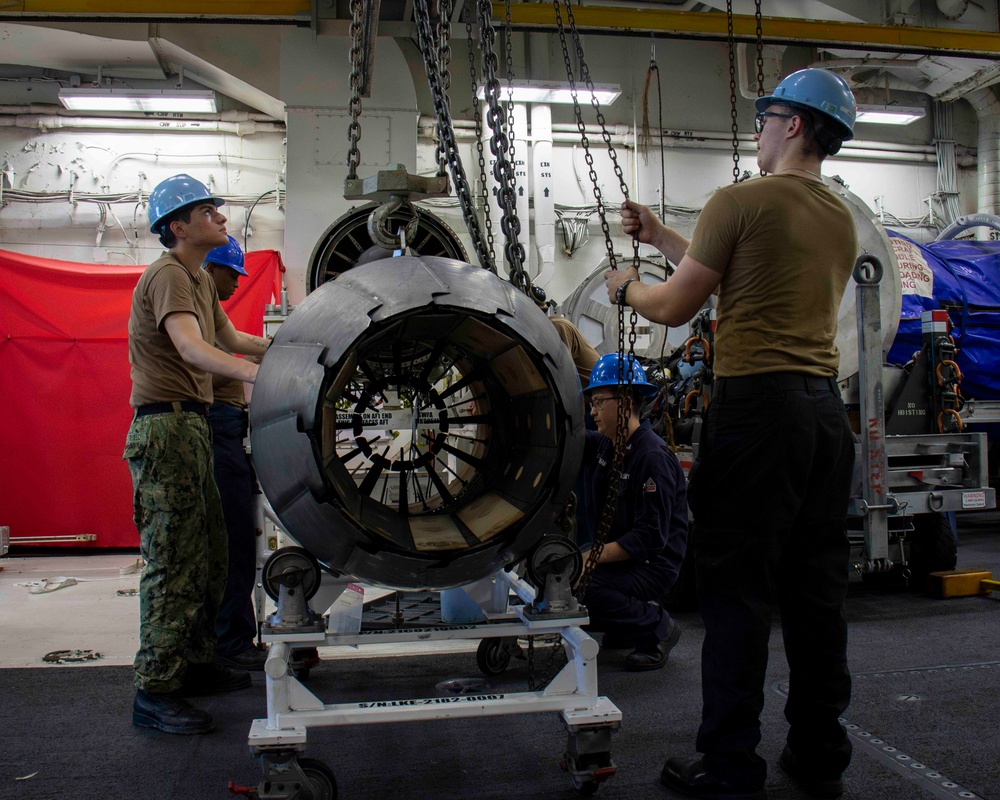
199,354
613,553
252,345
672,245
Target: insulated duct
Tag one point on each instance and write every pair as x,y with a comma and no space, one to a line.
542,192
988,113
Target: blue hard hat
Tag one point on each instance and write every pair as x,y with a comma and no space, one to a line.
820,90
605,373
228,255
175,193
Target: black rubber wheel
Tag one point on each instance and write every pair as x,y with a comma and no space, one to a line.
322,783
933,548
555,549
893,579
492,656
587,788
285,557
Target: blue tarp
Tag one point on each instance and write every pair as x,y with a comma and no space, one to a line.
963,278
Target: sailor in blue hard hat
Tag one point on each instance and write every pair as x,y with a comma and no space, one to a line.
778,251
174,199
631,383
174,325
647,539
226,264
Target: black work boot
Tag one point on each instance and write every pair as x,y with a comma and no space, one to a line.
250,658
168,713
815,784
645,660
212,679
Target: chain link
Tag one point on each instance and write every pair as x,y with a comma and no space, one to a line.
480,152
624,375
446,132
732,91
503,169
760,49
444,62
354,105
508,36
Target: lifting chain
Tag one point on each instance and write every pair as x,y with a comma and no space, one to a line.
508,37
760,49
354,105
444,62
480,152
945,381
550,666
760,53
446,132
503,169
624,376
732,91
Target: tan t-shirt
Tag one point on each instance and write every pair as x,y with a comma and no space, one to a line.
785,246
229,391
159,374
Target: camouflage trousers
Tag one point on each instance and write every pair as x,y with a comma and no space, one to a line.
182,533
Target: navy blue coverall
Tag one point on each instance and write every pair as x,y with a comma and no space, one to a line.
651,523
236,624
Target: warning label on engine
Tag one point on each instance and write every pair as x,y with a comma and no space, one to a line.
914,273
973,499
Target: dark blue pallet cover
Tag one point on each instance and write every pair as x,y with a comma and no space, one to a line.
963,278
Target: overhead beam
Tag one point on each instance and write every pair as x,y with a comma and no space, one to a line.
776,30
288,11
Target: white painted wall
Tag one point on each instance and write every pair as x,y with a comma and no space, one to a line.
314,83
49,164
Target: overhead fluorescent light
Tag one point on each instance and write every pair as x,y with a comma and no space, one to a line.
554,92
171,101
889,115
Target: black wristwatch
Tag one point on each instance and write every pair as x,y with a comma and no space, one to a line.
622,291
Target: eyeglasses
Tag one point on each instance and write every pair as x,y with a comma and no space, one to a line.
761,116
597,403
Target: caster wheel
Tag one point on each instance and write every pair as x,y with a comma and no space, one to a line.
493,656
322,783
587,788
291,558
300,673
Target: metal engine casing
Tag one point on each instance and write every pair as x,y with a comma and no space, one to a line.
432,498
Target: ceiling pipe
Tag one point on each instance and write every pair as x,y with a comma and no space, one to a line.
42,122
849,152
50,110
564,131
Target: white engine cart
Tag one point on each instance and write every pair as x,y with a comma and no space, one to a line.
292,577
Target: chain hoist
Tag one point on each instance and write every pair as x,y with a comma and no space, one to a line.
508,46
354,104
484,191
446,132
503,169
760,49
732,91
444,62
624,373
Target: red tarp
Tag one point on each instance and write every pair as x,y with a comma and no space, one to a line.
64,391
